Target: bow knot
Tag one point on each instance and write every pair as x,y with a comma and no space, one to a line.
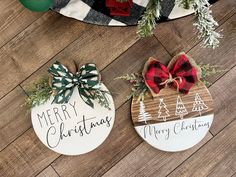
172,80
86,80
181,76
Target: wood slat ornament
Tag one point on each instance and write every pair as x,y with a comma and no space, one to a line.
172,121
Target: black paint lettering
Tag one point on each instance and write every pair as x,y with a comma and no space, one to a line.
49,116
63,107
73,106
40,117
57,115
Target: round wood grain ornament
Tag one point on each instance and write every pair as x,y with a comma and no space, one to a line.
73,128
173,121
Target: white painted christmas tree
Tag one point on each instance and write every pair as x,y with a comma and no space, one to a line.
198,104
163,111
180,108
143,115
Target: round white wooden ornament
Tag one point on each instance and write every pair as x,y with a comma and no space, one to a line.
73,128
173,121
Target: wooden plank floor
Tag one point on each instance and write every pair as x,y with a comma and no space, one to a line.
31,42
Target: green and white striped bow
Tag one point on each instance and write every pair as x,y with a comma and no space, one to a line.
86,79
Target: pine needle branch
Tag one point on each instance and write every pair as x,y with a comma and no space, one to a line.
186,4
148,22
206,24
38,93
139,88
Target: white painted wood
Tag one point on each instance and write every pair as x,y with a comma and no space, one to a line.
84,128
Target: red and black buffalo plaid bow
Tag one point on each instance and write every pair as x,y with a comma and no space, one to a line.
182,75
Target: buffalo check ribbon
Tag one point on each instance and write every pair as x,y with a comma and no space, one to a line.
86,80
182,75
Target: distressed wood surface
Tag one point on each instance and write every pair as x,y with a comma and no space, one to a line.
31,42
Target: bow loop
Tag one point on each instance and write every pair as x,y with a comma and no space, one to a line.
181,76
64,82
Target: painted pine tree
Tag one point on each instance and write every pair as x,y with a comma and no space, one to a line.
143,115
163,112
180,108
198,104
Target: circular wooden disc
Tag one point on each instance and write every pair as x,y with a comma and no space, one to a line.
73,128
173,121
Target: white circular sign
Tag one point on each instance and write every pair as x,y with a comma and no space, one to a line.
173,121
73,128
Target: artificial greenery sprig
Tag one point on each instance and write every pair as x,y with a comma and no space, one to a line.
101,96
206,24
186,4
139,88
148,22
39,92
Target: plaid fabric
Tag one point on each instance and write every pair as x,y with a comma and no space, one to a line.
156,73
96,12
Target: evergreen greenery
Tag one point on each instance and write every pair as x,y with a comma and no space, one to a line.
38,93
139,88
205,22
148,22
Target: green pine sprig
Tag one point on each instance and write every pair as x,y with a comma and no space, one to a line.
206,24
186,4
139,88
148,22
38,93
101,96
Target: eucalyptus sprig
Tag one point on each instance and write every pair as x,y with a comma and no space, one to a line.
148,22
139,88
39,92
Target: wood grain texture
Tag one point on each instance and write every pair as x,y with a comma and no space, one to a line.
35,46
223,92
148,161
14,119
89,48
26,156
180,35
13,19
33,41
48,172
216,158
169,96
